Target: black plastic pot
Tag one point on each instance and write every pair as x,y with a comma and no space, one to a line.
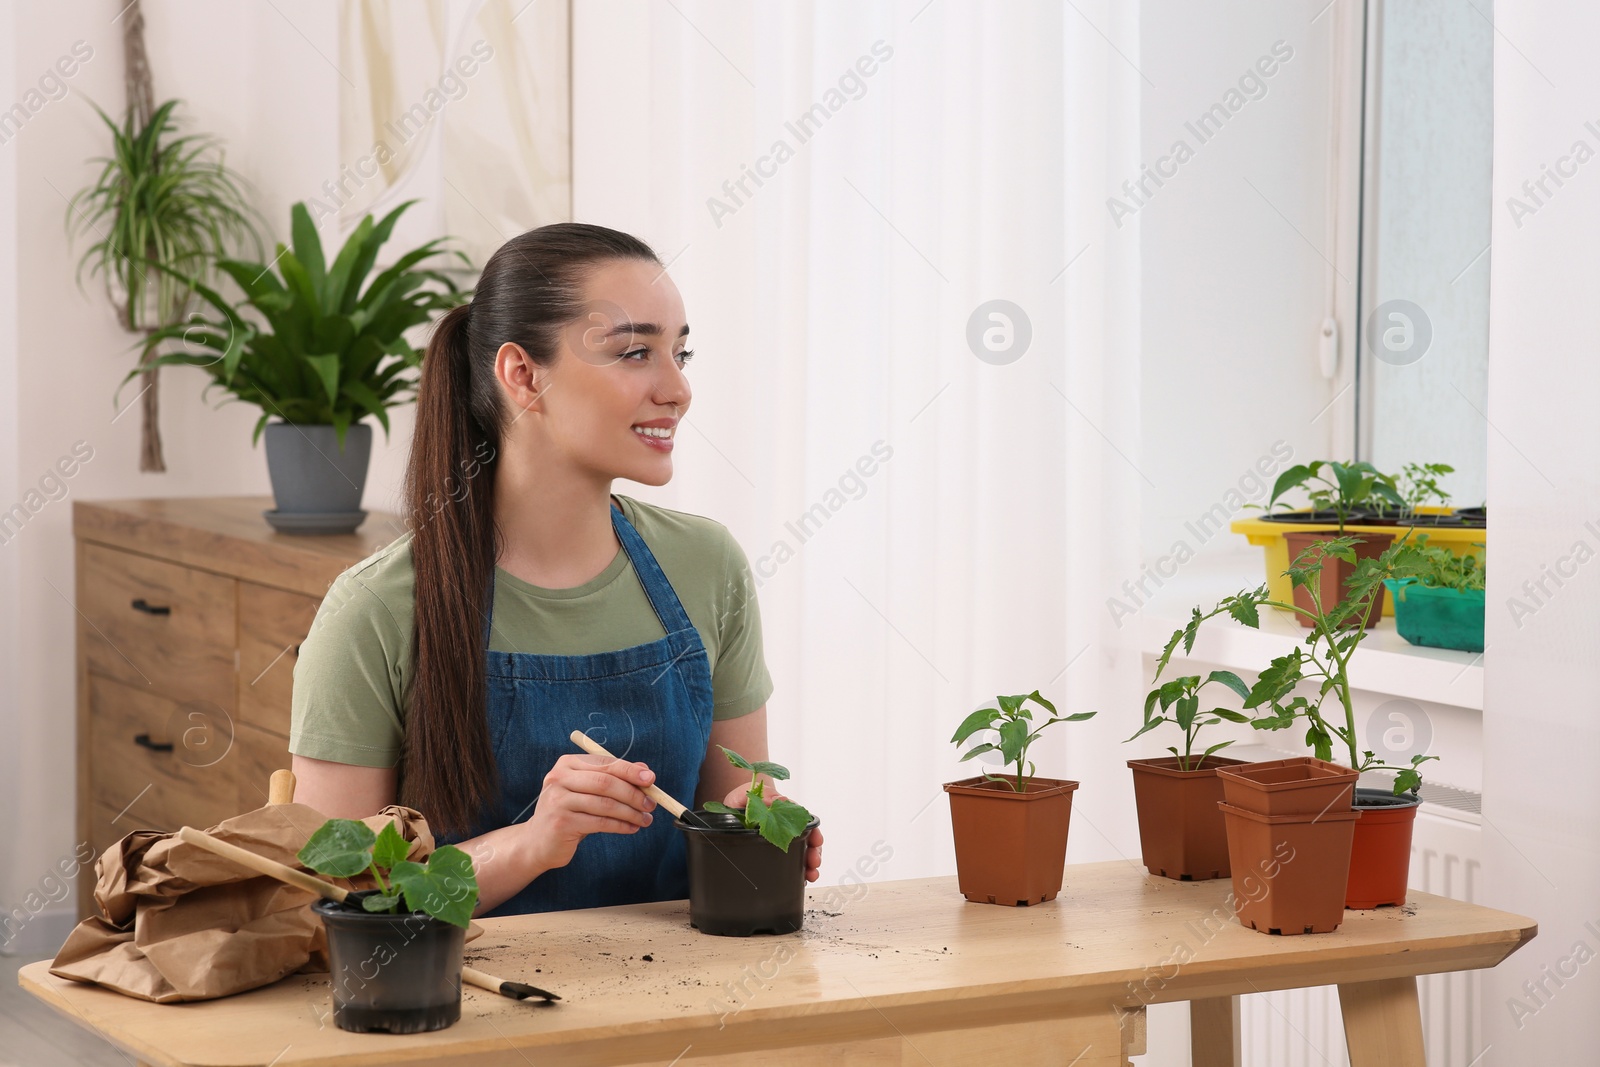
739,883
396,974
1321,518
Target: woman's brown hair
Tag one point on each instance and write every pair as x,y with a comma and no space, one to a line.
530,288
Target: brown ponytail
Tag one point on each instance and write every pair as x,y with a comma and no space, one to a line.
530,288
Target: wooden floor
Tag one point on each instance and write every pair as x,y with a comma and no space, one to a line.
33,1035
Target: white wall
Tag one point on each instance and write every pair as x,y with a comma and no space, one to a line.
1541,715
256,75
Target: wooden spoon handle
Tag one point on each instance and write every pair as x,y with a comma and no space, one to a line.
593,747
280,788
262,865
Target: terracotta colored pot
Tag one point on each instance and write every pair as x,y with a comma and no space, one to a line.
1181,830
1011,848
1335,572
1380,857
1298,786
1289,871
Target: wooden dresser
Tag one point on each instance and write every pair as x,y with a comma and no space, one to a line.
190,614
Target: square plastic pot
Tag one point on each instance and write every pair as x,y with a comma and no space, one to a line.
395,974
1289,871
1182,834
1335,572
1011,848
1298,786
741,884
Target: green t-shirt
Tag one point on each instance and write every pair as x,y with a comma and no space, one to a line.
352,680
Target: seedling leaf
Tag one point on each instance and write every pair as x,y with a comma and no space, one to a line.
389,848
445,888
340,848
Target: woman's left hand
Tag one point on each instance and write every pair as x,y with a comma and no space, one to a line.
736,799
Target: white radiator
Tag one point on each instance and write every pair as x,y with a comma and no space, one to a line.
1302,1027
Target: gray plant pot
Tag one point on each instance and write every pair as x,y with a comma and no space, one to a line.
316,486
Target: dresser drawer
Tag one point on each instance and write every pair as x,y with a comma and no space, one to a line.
164,763
272,624
165,628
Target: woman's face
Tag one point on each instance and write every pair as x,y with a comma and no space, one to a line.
611,401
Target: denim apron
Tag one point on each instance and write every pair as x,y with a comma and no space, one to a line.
650,703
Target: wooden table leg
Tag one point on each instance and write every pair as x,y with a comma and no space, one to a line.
1383,1023
1214,1032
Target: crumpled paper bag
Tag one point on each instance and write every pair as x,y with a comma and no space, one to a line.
180,923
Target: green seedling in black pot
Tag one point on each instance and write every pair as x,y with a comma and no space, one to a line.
781,821
1342,488
445,887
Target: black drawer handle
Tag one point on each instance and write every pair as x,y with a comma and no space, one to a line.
151,609
153,746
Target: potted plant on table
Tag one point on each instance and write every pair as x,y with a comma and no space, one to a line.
1312,803
1181,830
393,970
1441,605
1010,831
318,348
747,867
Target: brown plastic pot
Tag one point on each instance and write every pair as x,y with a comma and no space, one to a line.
1011,848
1380,856
1181,831
1335,572
1298,786
1289,871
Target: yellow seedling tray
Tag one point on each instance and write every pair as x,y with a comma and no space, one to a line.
1269,535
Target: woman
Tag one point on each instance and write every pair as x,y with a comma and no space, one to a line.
525,601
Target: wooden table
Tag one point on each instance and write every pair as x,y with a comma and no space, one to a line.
895,972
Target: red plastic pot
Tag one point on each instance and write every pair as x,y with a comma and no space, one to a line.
1181,830
1011,848
1380,856
1298,786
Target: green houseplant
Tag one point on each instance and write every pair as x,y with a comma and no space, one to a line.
319,347
1010,831
393,970
1345,491
1181,830
747,866
165,207
1309,798
1442,604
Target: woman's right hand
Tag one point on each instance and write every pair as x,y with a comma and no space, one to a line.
585,794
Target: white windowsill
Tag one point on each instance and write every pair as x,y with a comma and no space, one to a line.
1384,663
